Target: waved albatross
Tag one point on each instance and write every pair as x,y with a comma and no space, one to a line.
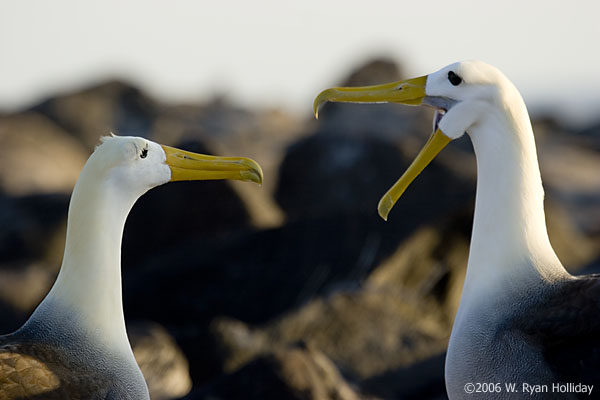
523,319
74,345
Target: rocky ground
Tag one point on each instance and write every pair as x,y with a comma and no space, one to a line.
292,290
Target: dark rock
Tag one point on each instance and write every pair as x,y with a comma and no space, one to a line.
421,381
296,373
33,228
252,277
388,121
400,315
10,318
242,274
373,72
326,174
365,332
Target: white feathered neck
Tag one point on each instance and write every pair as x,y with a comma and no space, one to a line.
89,282
509,244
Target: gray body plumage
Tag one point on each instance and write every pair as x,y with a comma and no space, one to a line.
548,334
85,368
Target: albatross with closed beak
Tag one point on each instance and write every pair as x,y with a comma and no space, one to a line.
523,319
74,345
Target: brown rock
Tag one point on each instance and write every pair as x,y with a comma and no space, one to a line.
162,363
36,156
24,287
112,106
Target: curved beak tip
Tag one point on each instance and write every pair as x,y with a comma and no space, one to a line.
384,207
320,100
253,175
434,145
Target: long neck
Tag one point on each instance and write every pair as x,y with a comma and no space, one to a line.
89,282
510,243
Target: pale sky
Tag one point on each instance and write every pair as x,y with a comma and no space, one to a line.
270,53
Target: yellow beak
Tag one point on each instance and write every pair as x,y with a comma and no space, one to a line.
434,145
410,92
188,166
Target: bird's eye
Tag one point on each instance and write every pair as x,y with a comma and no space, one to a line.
144,153
454,79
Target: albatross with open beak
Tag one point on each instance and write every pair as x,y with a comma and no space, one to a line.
523,319
74,346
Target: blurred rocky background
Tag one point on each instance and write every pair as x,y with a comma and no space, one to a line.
292,290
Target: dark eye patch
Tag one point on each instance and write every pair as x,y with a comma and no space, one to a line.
144,153
454,79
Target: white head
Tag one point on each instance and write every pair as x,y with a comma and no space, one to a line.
130,164
133,165
466,95
465,80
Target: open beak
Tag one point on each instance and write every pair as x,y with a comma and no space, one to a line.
434,145
188,166
410,92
